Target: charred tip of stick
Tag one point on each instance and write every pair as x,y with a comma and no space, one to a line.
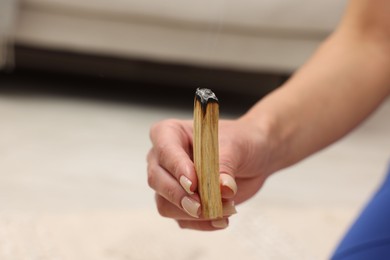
205,95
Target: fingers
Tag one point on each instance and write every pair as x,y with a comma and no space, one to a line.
172,147
169,210
171,174
167,187
172,200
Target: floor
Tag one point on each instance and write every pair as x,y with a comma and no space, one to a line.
73,180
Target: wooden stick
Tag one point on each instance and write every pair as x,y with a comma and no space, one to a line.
206,156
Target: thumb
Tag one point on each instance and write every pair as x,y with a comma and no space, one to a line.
228,186
227,169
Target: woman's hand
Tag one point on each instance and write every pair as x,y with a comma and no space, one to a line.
243,153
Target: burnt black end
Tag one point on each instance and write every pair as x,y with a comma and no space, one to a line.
205,96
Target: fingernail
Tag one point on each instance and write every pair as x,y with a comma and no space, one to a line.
186,184
220,223
228,182
190,206
229,208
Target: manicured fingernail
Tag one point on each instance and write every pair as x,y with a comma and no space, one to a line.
186,184
191,206
220,223
228,182
229,208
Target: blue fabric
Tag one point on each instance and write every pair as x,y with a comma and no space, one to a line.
369,236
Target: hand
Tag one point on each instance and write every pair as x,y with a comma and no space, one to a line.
171,172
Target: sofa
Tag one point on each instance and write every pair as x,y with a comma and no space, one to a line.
248,36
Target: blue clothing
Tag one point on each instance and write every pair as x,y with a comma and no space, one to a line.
369,236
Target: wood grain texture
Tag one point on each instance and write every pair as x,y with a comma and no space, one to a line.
206,155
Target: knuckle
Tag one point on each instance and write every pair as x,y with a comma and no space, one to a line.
171,194
175,167
150,155
152,175
171,160
154,129
161,151
157,127
226,166
161,208
181,224
150,180
170,122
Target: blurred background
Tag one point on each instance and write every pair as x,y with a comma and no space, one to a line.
81,82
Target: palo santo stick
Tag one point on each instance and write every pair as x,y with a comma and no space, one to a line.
206,155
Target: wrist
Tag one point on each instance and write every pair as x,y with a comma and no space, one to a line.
273,136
